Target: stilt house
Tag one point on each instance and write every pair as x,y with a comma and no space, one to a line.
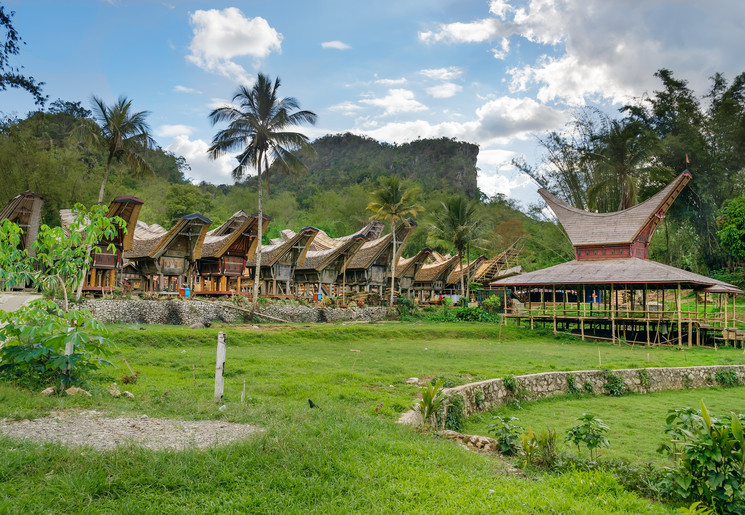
24,210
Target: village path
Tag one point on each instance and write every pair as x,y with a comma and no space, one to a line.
12,301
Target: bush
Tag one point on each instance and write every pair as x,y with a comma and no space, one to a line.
431,401
455,416
572,387
614,384
506,433
727,378
36,336
710,456
591,433
588,387
645,381
492,304
518,391
539,450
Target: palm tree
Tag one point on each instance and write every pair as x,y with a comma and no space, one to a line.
458,223
622,160
394,202
257,127
123,132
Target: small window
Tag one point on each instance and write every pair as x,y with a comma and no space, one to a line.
604,252
613,252
596,252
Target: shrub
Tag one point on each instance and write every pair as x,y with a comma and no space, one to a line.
539,450
645,381
455,416
518,391
727,377
431,401
588,387
479,398
710,456
446,381
614,384
591,433
35,339
506,433
492,304
572,387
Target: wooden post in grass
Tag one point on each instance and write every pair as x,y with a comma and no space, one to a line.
194,376
243,392
220,366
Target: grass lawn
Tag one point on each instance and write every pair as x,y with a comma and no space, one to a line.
635,421
349,456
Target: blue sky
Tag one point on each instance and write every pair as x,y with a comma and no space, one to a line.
495,73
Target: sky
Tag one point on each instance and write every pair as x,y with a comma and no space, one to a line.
496,73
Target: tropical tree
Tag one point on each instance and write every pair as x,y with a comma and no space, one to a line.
10,76
124,134
258,128
457,223
623,159
394,202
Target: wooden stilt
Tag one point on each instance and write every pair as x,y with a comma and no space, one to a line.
612,317
680,317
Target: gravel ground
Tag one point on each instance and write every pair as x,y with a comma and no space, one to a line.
95,429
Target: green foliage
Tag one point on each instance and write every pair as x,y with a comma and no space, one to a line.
479,398
492,304
645,380
710,459
446,382
588,387
516,388
572,387
727,377
36,339
431,401
185,199
731,224
507,434
539,450
455,415
614,384
590,433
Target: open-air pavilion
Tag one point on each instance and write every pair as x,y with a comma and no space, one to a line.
612,291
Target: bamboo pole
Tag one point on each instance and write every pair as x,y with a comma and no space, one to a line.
612,317
680,317
220,366
553,299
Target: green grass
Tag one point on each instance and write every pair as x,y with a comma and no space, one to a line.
635,421
349,456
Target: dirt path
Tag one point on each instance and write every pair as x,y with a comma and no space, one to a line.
95,429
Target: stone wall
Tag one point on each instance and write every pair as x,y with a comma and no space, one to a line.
187,312
173,312
485,395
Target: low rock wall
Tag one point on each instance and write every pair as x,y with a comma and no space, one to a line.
188,312
485,395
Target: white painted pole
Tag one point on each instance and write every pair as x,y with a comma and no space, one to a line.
220,366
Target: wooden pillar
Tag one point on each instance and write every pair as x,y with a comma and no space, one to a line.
680,317
612,315
220,366
553,294
690,333
706,294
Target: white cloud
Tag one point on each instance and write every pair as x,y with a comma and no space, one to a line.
503,49
217,103
391,82
336,45
184,89
449,73
473,32
220,36
444,90
591,51
202,167
397,101
171,131
346,108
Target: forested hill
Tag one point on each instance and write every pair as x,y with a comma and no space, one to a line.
344,159
42,153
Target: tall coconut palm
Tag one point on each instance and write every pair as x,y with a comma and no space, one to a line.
457,223
258,128
395,202
124,134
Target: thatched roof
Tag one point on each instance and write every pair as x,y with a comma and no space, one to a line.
126,207
490,269
323,241
153,240
320,259
585,228
371,250
436,271
270,254
25,211
219,240
622,272
411,266
460,269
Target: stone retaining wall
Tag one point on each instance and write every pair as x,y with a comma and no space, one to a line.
187,312
485,395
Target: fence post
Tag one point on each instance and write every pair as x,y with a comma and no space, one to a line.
220,366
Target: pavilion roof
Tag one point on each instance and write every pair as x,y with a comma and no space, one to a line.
413,264
460,269
320,259
585,228
127,208
323,241
624,272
